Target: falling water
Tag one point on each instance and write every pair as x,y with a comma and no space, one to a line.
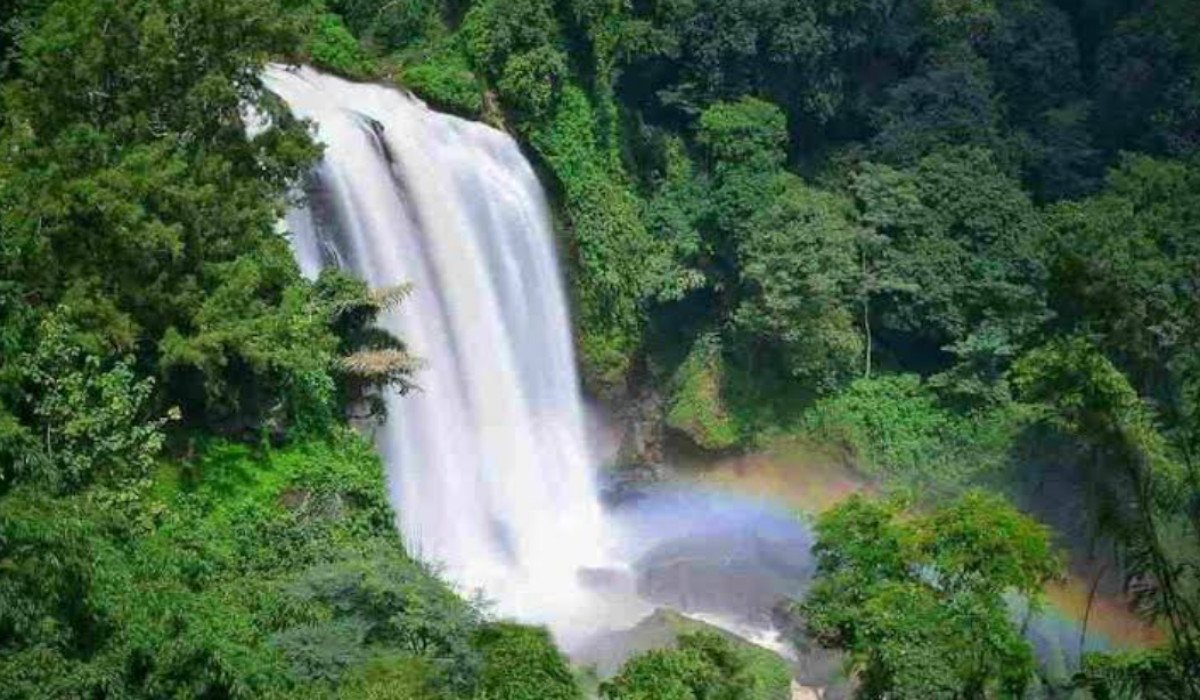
488,466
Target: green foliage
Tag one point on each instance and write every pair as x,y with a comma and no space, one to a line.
961,264
1149,110
1086,392
154,216
919,604
531,81
495,31
804,57
800,273
705,665
1124,269
949,102
391,678
696,407
745,132
1142,487
388,25
443,77
369,356
896,428
141,269
619,265
522,663
746,141
237,575
95,417
332,46
674,213
408,608
245,336
1144,675
786,254
661,673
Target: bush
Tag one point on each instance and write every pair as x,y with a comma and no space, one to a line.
444,78
522,663
393,678
387,25
495,30
532,80
333,47
696,407
920,603
705,665
895,429
243,574
95,412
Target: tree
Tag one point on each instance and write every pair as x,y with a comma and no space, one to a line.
95,418
1148,97
1035,59
1144,495
961,261
704,666
131,194
1124,266
918,602
950,101
745,142
786,254
522,663
799,273
815,59
386,25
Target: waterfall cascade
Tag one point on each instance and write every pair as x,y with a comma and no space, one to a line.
488,465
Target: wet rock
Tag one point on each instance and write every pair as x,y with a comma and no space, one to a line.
816,669
804,692
739,575
642,438
624,484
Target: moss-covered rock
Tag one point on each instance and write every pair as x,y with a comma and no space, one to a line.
696,407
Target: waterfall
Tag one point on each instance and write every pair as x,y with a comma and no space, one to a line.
487,463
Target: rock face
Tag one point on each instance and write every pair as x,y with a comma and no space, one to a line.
639,459
642,438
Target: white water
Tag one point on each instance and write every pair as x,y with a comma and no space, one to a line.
488,465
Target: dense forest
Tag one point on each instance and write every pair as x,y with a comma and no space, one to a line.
959,239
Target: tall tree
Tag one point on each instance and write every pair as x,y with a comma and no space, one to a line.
918,603
962,245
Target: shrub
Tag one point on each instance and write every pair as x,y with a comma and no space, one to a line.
705,665
333,47
895,428
444,78
696,407
522,663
